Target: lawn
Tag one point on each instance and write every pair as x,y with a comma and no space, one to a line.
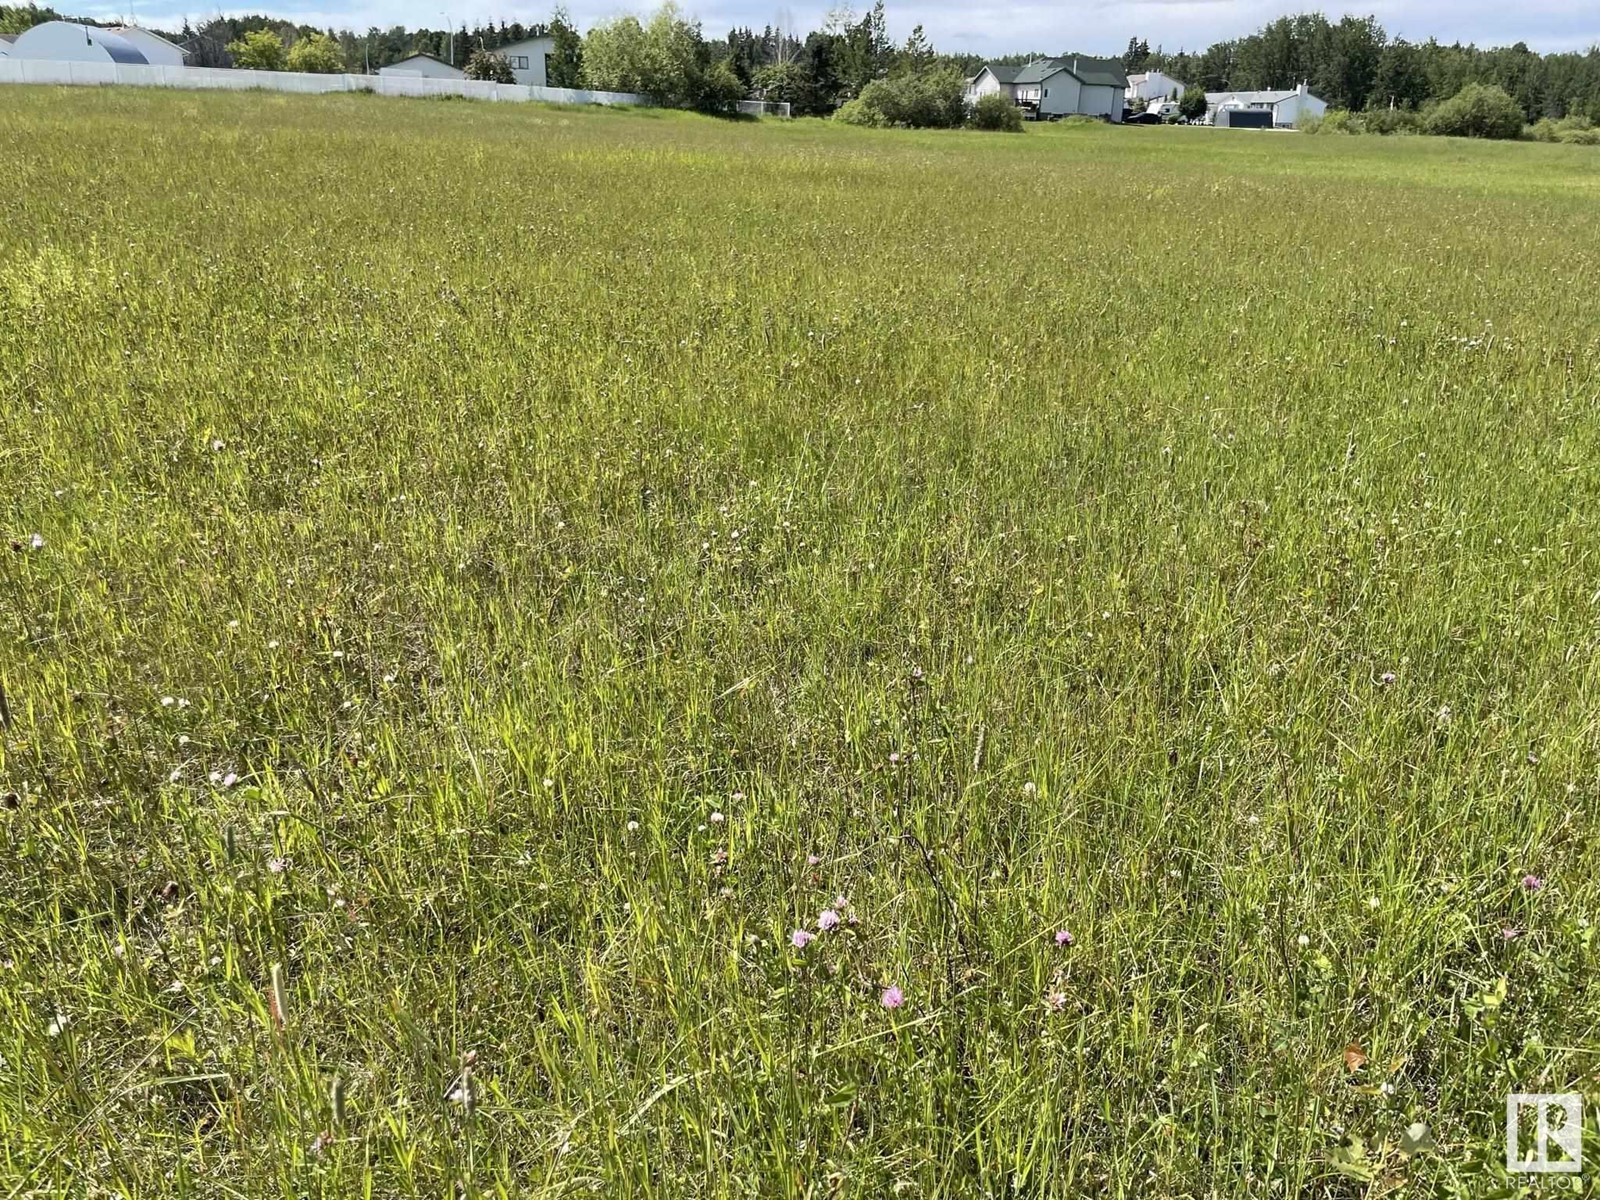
481,579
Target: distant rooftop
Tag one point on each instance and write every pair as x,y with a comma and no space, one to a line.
1096,72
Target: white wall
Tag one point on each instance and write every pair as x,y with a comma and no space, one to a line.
1068,95
420,66
1059,94
529,73
1101,101
1286,114
38,70
987,85
1155,86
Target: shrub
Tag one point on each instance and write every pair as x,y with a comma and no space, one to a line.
720,90
918,99
260,50
317,54
1335,120
1192,104
666,59
854,112
1477,111
1388,121
661,60
1571,131
489,67
996,112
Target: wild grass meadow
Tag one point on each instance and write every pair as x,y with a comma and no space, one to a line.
480,586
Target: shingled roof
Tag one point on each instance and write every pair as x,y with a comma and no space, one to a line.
1003,72
1096,72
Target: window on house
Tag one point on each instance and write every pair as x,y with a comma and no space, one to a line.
519,62
1047,91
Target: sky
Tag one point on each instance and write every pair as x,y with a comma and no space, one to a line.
975,26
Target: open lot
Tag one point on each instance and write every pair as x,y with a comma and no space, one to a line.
510,568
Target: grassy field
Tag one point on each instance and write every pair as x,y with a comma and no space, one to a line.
482,578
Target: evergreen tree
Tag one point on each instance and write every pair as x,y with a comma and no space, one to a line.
564,67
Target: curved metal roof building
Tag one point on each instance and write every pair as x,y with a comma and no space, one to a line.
62,41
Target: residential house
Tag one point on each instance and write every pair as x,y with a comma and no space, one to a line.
527,59
1152,86
1075,84
1287,107
424,66
993,78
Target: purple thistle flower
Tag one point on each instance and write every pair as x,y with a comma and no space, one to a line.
892,997
1064,937
827,919
1531,883
801,938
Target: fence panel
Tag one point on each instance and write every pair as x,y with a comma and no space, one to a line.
50,71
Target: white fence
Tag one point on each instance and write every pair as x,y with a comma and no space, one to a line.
44,70
50,71
764,108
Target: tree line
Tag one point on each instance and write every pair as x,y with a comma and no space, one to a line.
1351,63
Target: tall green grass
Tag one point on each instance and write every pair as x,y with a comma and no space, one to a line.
504,570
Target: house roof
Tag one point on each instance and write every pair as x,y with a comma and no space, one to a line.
1096,72
137,31
8,37
1216,98
419,54
1003,72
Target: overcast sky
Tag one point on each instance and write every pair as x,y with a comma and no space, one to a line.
978,26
